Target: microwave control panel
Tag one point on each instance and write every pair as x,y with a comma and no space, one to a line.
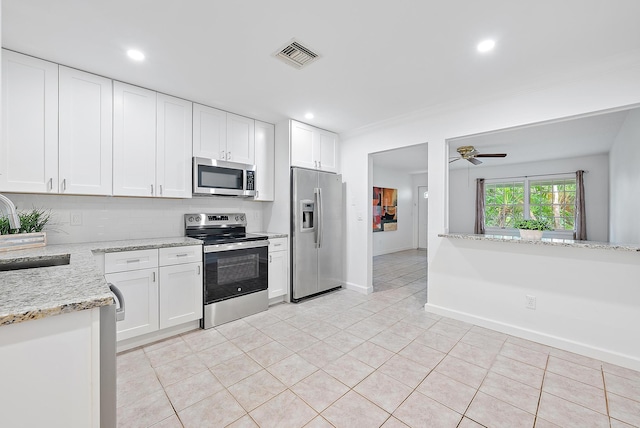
251,180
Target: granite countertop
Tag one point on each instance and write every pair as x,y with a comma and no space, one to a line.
27,294
272,235
544,241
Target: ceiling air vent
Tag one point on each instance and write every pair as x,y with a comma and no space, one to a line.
296,55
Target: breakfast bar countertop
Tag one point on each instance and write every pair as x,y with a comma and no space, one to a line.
544,241
33,293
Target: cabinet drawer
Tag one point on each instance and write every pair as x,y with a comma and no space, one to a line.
130,260
179,255
278,244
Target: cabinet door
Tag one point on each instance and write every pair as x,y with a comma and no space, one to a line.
278,273
209,132
180,294
29,144
140,291
240,139
173,147
134,140
328,144
265,150
302,145
85,144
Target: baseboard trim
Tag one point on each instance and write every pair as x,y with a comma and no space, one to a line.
540,337
358,288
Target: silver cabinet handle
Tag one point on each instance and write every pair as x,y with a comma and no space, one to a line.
277,245
257,194
270,258
120,298
222,155
50,185
154,276
228,155
152,190
161,190
182,255
133,261
64,184
320,164
198,269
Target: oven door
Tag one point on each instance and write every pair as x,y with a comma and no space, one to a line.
233,270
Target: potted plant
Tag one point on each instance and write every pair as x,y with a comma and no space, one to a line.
30,233
532,229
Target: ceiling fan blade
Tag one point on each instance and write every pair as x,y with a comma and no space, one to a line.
453,160
474,161
491,155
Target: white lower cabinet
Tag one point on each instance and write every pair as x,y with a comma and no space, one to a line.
180,286
140,291
278,267
161,288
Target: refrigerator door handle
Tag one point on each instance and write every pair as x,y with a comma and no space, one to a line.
316,217
320,218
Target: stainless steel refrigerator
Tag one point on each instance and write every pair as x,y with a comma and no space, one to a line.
316,232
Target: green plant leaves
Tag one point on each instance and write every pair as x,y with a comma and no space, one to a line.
30,221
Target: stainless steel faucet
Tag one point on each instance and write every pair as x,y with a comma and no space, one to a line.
14,219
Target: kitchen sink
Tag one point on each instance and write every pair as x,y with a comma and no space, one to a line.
29,263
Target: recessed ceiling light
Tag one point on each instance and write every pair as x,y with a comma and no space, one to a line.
309,116
135,54
486,45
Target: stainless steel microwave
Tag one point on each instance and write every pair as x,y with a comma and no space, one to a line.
214,177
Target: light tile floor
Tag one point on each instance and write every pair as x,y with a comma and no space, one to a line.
349,360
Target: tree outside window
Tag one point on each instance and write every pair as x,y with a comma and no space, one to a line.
549,199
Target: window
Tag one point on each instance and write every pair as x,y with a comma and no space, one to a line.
551,198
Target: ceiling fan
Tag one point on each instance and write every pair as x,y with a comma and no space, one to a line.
471,154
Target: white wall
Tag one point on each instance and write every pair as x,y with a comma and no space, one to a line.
462,189
401,239
114,218
606,85
624,170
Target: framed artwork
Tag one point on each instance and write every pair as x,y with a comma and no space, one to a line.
385,207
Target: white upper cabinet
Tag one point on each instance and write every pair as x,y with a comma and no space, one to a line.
209,132
223,136
151,143
85,133
313,148
240,139
134,140
29,146
303,151
173,148
328,143
265,151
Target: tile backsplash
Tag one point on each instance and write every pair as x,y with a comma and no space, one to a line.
107,218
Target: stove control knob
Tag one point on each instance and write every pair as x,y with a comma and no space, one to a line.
237,218
198,218
242,217
191,219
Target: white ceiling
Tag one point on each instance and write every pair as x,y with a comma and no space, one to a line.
408,160
380,59
582,136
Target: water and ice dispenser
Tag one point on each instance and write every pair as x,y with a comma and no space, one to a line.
307,207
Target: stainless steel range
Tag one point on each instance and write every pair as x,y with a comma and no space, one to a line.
235,267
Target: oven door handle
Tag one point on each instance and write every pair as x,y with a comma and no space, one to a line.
235,246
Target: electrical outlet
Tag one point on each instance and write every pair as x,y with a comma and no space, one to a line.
531,302
76,219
